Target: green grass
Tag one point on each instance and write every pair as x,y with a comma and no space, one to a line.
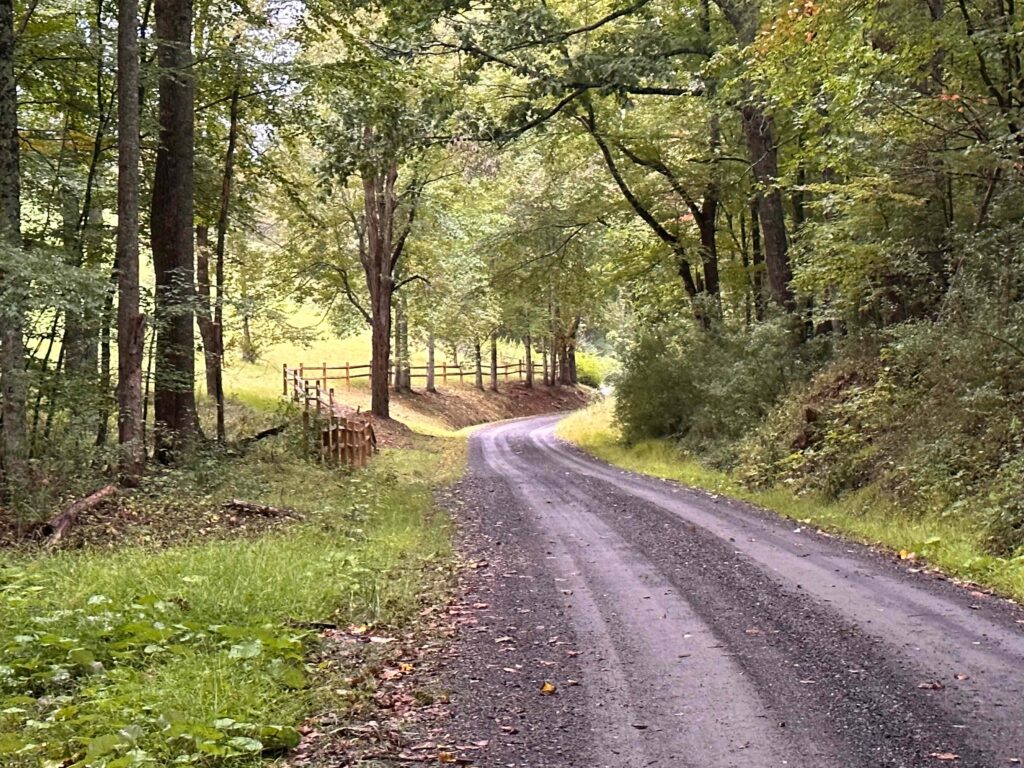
197,653
949,543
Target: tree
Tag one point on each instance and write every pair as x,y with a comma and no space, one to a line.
130,322
171,226
12,353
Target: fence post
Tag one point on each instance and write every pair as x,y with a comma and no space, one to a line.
324,371
284,369
348,378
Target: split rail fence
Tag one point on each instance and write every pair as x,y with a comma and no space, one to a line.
324,374
341,439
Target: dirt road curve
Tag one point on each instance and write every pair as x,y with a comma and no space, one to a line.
684,630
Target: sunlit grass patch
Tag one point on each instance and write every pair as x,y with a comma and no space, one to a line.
951,544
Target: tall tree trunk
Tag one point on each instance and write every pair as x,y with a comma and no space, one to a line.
379,263
430,363
227,181
529,361
494,361
204,308
479,366
544,363
757,253
764,157
171,222
570,352
380,351
12,344
553,346
106,319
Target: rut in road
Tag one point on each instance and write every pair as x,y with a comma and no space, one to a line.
711,634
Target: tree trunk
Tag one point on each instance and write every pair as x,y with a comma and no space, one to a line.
430,364
529,361
222,234
758,258
204,308
764,157
12,346
380,260
544,363
171,223
479,366
248,346
553,346
564,373
494,361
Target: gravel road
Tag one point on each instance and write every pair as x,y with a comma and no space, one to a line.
684,630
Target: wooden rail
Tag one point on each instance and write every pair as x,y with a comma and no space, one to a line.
342,440
324,374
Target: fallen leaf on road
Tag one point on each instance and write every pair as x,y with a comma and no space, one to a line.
548,688
932,686
947,756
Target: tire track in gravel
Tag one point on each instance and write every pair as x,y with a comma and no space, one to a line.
707,633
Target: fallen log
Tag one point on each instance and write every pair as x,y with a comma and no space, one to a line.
251,508
59,525
271,432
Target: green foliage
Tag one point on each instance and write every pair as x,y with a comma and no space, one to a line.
933,417
591,369
707,388
197,654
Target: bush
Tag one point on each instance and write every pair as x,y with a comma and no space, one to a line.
708,388
591,370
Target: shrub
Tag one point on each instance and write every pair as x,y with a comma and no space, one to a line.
708,387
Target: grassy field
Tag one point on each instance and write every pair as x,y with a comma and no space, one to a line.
262,380
866,516
197,653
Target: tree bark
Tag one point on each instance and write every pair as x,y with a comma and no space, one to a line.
757,254
380,258
479,366
759,131
12,346
171,223
430,363
204,308
494,361
529,361
227,181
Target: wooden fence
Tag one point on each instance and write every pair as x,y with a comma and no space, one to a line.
342,440
324,374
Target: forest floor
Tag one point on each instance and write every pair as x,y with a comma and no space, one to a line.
624,620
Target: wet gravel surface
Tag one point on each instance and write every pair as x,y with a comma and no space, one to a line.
681,629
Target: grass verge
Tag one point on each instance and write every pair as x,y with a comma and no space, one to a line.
950,543
196,654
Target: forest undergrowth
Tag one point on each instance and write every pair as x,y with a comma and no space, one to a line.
180,637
